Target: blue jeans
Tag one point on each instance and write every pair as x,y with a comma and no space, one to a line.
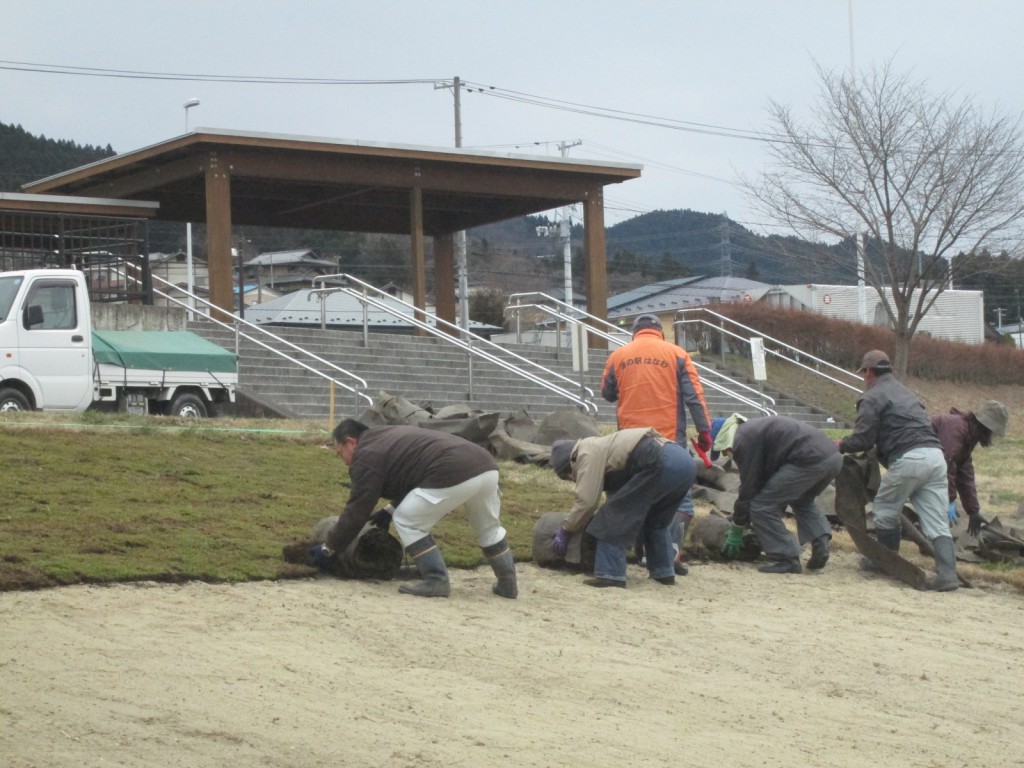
674,480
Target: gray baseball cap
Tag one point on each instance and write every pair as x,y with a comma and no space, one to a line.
646,321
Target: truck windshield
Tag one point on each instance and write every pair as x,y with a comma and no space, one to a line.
8,290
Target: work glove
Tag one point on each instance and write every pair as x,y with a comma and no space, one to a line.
953,518
322,557
382,517
733,542
974,523
704,441
560,544
741,512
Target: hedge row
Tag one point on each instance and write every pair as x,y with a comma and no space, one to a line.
843,343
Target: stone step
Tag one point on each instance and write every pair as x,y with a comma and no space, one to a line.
426,370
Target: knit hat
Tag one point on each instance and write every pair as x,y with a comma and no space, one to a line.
993,415
646,321
560,461
876,358
723,434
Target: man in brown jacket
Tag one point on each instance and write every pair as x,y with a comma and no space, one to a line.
425,475
959,433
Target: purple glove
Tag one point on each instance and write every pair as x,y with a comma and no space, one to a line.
560,544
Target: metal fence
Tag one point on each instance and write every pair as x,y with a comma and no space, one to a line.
96,245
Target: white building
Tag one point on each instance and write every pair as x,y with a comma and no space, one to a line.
955,315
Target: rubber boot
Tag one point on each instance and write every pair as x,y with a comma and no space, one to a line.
431,566
945,566
888,538
504,565
819,553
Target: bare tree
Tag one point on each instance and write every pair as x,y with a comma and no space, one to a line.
924,175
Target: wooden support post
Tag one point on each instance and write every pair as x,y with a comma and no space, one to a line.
419,267
595,257
218,235
444,279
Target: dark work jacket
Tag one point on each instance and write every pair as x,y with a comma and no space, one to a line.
958,440
762,446
389,462
893,419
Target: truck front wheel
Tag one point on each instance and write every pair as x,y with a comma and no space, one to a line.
187,406
12,400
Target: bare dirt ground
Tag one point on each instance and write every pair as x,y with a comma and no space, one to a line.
728,668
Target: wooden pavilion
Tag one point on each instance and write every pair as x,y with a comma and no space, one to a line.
226,178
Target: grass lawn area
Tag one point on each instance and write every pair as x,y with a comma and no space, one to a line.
102,498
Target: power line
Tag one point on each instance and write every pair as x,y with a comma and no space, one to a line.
617,114
61,69
502,93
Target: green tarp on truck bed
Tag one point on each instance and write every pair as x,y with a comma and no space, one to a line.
161,351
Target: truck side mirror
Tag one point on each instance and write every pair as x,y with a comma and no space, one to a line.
33,315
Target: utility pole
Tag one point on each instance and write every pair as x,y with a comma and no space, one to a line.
565,229
190,275
999,316
461,272
461,268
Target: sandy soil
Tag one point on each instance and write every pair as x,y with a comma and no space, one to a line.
728,668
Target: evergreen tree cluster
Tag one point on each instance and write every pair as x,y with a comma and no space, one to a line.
25,157
1000,277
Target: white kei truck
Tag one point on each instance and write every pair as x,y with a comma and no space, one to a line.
52,360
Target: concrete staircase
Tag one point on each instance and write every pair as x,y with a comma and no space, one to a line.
785,405
426,370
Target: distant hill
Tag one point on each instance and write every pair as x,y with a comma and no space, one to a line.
676,243
708,244
25,157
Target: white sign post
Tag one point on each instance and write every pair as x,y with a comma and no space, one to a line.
580,361
757,356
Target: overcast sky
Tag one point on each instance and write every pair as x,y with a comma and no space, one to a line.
711,63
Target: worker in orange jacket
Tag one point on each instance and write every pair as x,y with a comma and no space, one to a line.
654,383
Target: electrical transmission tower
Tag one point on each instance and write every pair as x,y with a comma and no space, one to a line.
726,247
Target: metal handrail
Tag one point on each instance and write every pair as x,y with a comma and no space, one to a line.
746,340
470,344
235,327
594,322
615,338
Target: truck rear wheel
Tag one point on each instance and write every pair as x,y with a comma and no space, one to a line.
12,400
187,406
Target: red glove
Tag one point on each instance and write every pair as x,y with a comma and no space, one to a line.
704,441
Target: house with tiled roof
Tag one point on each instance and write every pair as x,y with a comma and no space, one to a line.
284,271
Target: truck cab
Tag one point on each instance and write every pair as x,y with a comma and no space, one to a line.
45,341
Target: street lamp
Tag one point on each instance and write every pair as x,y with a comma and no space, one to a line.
188,105
188,232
